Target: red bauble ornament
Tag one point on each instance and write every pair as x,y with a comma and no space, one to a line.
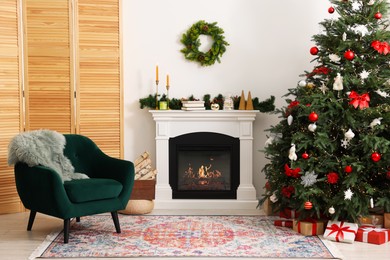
331,10
305,155
308,205
313,50
349,55
313,117
378,15
375,157
348,169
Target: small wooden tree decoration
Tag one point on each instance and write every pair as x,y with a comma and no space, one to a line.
249,102
242,102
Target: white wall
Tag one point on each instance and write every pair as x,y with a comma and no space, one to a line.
269,49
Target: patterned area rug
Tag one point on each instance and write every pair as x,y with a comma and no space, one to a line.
183,236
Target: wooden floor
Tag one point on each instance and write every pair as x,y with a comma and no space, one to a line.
17,243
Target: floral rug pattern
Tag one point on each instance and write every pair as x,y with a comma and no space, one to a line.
184,236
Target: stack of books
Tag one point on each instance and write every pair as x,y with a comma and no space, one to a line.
192,105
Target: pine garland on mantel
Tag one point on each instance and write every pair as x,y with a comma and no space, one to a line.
176,104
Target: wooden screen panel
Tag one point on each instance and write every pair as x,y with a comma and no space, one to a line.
10,101
48,65
99,88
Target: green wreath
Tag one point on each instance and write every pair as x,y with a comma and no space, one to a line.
191,42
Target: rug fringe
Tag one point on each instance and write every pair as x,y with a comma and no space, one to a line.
44,245
332,248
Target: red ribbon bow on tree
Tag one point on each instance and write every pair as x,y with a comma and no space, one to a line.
340,230
360,101
381,47
291,172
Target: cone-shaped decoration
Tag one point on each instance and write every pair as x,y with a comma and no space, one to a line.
242,101
249,103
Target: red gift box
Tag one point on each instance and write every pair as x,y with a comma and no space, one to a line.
283,223
373,235
288,213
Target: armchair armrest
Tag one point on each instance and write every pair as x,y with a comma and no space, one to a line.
41,189
117,169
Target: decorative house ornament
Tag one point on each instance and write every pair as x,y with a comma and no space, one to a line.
191,42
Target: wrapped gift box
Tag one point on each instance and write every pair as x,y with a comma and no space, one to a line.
310,227
386,220
341,231
283,223
288,213
374,220
372,235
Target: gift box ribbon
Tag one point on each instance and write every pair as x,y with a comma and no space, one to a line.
340,230
367,230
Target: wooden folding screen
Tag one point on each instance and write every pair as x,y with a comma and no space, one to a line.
10,100
99,102
48,65
71,78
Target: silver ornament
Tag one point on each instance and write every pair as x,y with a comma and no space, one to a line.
331,210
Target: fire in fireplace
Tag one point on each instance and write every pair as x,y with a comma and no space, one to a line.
204,166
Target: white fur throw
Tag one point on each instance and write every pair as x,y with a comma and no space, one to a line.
43,147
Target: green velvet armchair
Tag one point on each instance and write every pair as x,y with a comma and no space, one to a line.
108,188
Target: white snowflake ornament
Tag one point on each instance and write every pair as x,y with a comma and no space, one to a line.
309,179
356,6
344,143
364,74
348,194
323,88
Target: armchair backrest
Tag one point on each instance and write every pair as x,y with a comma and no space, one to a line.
82,152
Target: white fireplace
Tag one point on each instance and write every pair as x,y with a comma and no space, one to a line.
234,123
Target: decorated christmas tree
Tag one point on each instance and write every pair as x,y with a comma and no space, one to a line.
329,154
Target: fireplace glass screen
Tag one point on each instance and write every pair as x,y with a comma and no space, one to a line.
204,170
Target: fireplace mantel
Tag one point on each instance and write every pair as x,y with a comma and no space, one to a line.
235,123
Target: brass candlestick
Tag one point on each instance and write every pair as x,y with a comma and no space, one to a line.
156,94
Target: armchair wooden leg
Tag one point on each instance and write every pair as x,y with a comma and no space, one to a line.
66,230
77,219
31,220
114,215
